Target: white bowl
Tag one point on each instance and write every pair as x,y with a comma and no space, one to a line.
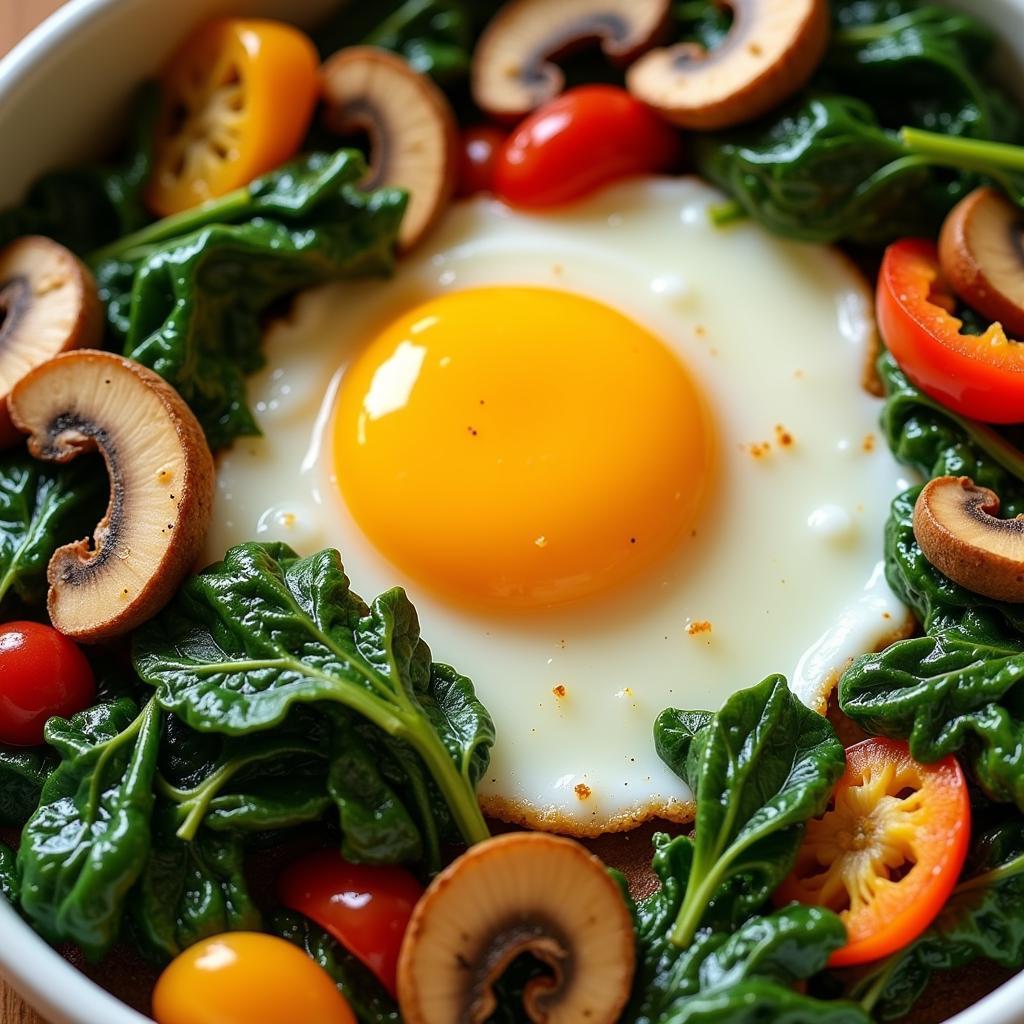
63,93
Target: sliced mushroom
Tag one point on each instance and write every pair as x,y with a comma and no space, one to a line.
956,526
771,51
48,304
521,893
411,128
161,486
512,69
981,249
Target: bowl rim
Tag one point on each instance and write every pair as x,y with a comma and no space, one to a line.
49,982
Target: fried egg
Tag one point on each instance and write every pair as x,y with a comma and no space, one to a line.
620,459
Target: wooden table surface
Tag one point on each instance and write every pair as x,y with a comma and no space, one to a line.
16,18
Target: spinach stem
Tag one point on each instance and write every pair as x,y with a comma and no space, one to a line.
222,210
110,748
967,154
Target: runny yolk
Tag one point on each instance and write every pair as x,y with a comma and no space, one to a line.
520,446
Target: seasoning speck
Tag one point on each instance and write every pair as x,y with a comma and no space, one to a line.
582,791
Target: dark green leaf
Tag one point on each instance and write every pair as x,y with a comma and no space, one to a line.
264,631
86,207
189,891
42,506
759,768
85,846
366,995
22,774
189,306
8,875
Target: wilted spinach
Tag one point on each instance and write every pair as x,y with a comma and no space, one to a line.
185,295
190,889
264,631
85,846
758,769
8,875
363,992
953,690
23,770
435,36
42,506
86,207
981,919
832,165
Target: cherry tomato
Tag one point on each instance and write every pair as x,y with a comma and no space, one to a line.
583,139
247,978
42,673
238,96
888,852
366,908
980,377
481,147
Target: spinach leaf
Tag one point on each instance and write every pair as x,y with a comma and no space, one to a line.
759,768
435,36
185,295
23,770
264,631
86,207
85,846
363,992
831,165
729,977
8,875
42,506
190,890
981,919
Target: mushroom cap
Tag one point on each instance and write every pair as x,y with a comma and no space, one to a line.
523,892
956,526
414,139
981,250
161,487
512,70
771,51
48,304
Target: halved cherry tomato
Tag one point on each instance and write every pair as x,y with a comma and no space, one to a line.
888,852
238,96
980,377
42,673
366,908
247,978
481,146
583,139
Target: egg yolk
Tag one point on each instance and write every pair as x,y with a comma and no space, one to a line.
520,446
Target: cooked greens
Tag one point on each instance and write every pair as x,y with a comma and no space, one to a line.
42,506
708,951
8,875
832,164
23,770
954,689
185,296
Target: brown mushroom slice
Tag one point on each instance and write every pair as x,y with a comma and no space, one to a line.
512,69
981,249
956,526
48,304
772,49
520,893
161,486
412,130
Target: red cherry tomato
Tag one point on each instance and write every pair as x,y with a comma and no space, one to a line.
980,377
888,852
366,908
42,673
481,147
579,141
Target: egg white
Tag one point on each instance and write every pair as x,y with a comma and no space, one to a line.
783,573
